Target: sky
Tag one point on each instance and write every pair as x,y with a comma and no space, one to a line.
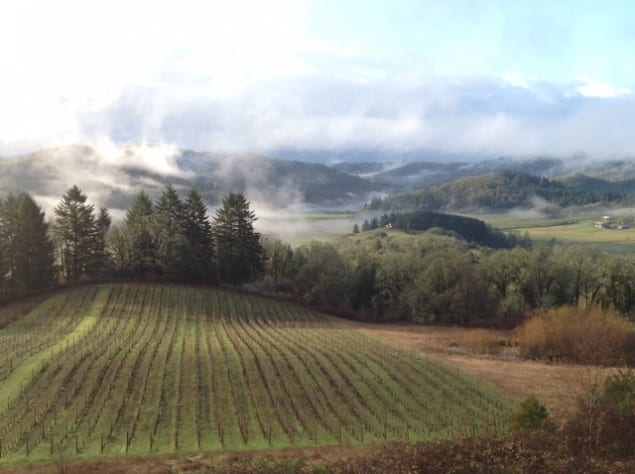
481,78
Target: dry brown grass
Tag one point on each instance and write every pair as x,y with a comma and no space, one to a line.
556,385
482,341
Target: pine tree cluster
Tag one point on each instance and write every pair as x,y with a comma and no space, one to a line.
171,240
175,240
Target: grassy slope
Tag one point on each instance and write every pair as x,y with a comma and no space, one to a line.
155,369
585,233
578,231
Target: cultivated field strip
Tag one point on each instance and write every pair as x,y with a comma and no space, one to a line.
157,369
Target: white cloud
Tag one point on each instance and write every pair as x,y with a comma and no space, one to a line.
244,76
62,61
599,89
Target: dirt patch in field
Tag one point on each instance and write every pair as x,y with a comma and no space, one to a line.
555,385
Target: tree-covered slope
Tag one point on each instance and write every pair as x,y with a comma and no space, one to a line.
498,191
468,228
118,173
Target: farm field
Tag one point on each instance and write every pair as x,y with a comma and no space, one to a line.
513,222
149,369
580,231
585,233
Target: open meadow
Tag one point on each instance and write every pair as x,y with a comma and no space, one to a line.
578,231
487,356
150,369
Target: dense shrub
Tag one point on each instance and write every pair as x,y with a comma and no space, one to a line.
589,336
530,414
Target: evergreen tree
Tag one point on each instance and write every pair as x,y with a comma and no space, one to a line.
171,243
26,251
75,231
100,232
140,211
134,244
355,229
198,232
36,248
9,236
238,248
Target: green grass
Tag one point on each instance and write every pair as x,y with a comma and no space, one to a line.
585,233
571,230
149,369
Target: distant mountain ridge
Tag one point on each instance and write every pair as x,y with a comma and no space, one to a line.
111,175
499,192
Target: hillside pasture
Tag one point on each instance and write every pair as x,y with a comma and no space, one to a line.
585,233
149,369
578,231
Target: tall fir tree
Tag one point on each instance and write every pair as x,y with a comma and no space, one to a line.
198,232
75,230
26,250
137,243
171,243
100,258
37,247
9,237
238,249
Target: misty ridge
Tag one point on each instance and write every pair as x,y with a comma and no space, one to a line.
283,190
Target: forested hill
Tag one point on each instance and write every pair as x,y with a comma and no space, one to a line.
118,173
495,192
467,228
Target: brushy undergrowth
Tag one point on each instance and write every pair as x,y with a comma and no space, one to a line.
481,341
588,336
604,422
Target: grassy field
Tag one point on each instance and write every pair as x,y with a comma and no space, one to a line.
511,222
148,369
578,231
585,233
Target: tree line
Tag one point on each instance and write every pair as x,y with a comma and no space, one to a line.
172,239
436,278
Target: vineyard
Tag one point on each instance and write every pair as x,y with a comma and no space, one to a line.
157,369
